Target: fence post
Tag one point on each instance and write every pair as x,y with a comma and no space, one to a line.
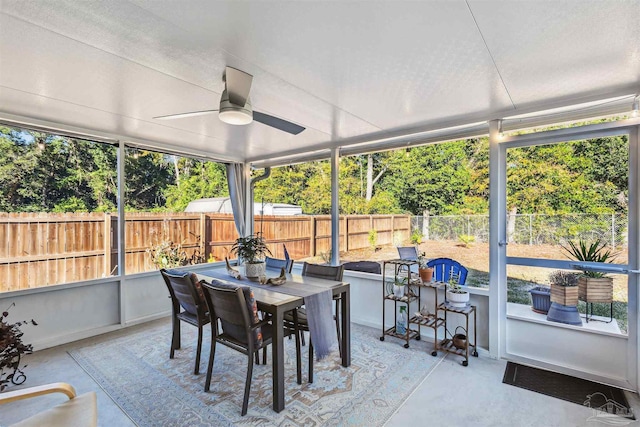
530,229
346,233
312,236
468,226
613,230
425,225
110,241
393,230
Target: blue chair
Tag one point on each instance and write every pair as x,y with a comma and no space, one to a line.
445,268
276,264
409,253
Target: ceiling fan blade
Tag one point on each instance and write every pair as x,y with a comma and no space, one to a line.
277,123
182,115
238,85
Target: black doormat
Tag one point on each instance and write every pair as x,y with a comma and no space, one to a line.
608,399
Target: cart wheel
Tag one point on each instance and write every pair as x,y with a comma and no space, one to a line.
474,354
465,363
434,353
417,337
381,338
406,346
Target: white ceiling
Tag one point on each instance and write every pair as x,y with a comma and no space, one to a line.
347,71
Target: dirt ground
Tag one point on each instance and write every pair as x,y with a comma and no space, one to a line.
476,259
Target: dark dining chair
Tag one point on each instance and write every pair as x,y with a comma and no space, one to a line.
188,305
327,272
276,264
240,328
445,268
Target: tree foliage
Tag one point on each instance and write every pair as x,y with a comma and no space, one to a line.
47,173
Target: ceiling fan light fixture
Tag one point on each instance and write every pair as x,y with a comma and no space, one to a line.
235,116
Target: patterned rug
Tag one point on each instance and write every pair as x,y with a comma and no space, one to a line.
153,390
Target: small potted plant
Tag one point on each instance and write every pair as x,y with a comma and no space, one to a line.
12,349
564,298
456,296
399,287
593,286
564,288
540,299
426,272
252,250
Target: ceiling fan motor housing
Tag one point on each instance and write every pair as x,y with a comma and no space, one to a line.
234,114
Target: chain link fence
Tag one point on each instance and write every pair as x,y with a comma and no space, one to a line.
528,229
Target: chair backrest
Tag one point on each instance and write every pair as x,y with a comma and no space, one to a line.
185,291
410,253
277,264
444,268
328,272
363,266
230,304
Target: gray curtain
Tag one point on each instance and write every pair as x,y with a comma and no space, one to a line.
236,181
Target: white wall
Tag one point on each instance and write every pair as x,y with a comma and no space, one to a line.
586,354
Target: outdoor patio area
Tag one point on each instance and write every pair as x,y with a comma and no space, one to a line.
439,200
478,398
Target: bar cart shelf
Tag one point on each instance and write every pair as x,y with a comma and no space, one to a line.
447,344
402,268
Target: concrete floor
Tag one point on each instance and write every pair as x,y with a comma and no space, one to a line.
451,395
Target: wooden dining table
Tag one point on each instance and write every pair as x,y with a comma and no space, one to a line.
277,300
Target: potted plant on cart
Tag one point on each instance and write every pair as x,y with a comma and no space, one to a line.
564,298
399,286
456,296
593,286
426,272
252,250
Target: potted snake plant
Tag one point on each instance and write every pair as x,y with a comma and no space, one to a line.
593,286
252,251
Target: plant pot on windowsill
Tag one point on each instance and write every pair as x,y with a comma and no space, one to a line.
595,289
564,298
540,299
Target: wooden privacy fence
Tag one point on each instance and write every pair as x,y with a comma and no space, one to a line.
41,249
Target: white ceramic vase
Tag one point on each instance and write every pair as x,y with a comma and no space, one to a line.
398,291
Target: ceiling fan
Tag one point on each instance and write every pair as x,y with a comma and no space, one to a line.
235,105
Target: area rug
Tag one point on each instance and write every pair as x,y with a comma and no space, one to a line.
153,390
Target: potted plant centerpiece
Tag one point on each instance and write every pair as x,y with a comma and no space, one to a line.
456,296
252,250
426,272
593,286
564,298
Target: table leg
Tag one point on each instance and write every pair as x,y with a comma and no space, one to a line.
277,357
346,327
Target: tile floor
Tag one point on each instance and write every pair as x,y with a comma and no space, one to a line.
451,395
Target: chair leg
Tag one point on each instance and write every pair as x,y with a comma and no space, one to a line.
196,370
310,361
175,336
247,386
212,354
257,357
297,332
264,355
302,339
337,316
